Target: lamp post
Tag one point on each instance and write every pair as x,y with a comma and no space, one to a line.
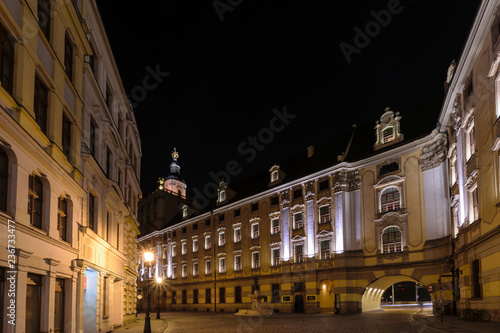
148,257
158,283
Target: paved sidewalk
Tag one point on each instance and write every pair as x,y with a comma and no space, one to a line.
453,324
157,325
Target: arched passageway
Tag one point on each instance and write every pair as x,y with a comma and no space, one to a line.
372,295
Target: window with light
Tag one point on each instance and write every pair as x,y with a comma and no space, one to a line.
298,222
391,240
222,265
324,247
237,235
390,200
324,214
237,262
275,256
255,260
388,134
255,230
222,238
275,226
299,253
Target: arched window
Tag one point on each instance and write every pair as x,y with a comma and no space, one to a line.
388,134
390,200
222,196
4,179
391,240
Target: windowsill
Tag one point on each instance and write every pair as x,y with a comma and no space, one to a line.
324,222
41,231
255,269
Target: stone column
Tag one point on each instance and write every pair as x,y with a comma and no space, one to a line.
20,274
339,187
48,296
80,269
311,237
285,233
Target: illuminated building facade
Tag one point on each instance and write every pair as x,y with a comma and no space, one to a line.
69,155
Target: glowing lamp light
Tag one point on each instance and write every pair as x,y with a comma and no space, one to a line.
159,279
149,256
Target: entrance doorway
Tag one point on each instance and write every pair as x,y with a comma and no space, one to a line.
298,305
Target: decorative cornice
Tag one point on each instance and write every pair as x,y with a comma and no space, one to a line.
471,182
254,248
309,195
222,254
435,153
275,215
254,220
275,244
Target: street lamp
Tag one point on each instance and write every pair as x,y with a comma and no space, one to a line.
158,283
148,257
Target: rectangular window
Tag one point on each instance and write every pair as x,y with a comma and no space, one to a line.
297,193
298,223
324,214
237,262
105,299
174,250
68,57
195,296
41,104
207,223
195,226
33,303
237,235
184,296
108,227
255,207
184,271
44,9
195,269
475,205
184,248
118,236
208,267
93,62
62,218
222,295
476,284
66,136
174,272
4,180
275,226
237,212
109,158
6,60
237,294
275,200
92,212
323,185
208,244
255,231
35,201
275,256
222,265
208,295
255,260
93,137
472,140
299,253
222,238
324,247
184,230
195,245
174,297
275,293
59,306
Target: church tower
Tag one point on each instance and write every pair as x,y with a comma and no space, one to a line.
174,183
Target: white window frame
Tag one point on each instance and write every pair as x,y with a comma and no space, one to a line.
329,219
236,268
274,176
208,242
380,198
222,195
393,243
184,270
273,259
295,256
252,227
389,139
254,265
174,272
174,250
301,226
222,238
195,268
470,131
273,231
184,248
195,245
237,238
208,267
222,265
321,254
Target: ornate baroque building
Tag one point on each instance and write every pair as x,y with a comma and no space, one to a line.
69,172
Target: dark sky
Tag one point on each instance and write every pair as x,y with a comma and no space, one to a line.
226,76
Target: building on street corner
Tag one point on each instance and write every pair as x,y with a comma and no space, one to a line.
333,228
69,172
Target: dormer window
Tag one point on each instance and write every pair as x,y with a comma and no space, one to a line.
388,134
222,192
184,210
387,129
275,174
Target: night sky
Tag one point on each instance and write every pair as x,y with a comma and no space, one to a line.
226,76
